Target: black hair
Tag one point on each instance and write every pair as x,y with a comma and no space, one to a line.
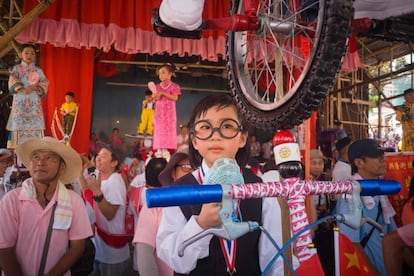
354,168
291,169
117,153
170,67
28,45
154,167
219,101
70,93
148,92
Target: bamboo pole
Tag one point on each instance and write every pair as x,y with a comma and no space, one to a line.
22,24
183,88
5,50
13,43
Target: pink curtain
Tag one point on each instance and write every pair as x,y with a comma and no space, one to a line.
124,25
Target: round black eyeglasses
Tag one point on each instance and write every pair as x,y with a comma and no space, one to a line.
228,129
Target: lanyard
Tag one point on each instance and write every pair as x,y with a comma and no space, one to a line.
227,247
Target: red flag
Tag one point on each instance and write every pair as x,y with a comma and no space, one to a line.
311,266
351,61
351,261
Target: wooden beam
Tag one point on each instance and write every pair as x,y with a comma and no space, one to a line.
183,88
5,51
16,6
24,22
180,65
356,101
408,67
13,43
4,72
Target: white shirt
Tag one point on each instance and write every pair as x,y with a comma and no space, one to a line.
342,171
139,180
114,191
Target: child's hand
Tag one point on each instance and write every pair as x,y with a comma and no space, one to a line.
93,184
157,96
209,215
26,90
34,87
86,163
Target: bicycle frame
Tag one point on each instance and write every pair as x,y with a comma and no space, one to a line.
292,189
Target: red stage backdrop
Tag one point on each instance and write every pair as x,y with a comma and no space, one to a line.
400,168
69,69
70,31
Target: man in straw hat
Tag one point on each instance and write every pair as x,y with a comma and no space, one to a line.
43,200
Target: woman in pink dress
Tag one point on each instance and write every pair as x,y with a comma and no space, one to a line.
165,94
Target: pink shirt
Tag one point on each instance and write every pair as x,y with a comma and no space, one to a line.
146,232
24,224
115,141
407,215
406,233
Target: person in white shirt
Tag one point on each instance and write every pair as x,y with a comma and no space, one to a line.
342,169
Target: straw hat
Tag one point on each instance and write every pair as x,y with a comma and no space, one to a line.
316,154
70,156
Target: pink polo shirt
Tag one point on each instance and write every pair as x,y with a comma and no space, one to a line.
406,233
24,224
146,232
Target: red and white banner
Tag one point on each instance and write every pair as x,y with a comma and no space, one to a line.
400,168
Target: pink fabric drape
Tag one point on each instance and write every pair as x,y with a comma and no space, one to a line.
124,25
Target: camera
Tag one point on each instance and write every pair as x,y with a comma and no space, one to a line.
92,171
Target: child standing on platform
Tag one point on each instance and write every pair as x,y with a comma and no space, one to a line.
217,130
68,111
27,84
147,114
165,94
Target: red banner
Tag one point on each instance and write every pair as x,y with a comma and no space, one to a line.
400,168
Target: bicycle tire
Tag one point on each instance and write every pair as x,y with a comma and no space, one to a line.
278,102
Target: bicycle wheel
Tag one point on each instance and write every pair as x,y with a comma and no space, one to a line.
282,72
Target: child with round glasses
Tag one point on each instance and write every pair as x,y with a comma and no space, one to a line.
217,130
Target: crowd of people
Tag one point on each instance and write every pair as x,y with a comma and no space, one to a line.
103,196
80,215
